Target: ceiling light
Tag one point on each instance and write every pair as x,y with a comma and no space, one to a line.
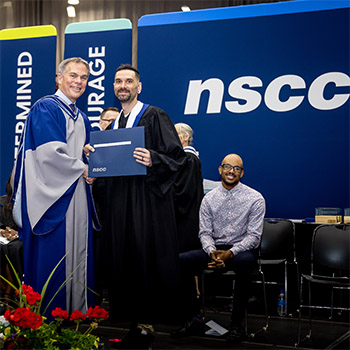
185,8
73,2
71,11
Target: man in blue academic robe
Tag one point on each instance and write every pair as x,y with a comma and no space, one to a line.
53,203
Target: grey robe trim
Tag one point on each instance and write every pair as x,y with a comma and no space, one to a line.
77,225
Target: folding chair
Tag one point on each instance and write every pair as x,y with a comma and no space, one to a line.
330,266
278,247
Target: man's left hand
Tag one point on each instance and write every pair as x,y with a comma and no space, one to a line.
219,258
143,156
224,255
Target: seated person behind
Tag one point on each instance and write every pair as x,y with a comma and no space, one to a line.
10,246
107,117
231,224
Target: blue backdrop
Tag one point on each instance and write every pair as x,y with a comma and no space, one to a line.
105,45
269,82
25,76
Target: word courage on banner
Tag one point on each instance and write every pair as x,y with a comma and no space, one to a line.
95,99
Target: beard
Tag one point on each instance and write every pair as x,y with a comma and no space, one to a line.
125,97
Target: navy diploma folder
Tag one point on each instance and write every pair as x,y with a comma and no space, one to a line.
114,150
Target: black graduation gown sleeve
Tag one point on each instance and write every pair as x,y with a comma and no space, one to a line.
188,194
167,154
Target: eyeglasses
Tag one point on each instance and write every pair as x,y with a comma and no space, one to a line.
228,167
107,120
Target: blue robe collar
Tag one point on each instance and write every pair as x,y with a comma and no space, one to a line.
134,116
64,102
190,149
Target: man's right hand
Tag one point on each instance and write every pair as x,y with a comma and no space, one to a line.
216,261
87,149
89,180
218,258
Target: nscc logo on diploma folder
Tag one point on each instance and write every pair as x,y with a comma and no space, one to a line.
114,150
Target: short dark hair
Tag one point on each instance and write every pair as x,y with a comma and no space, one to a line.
114,109
129,67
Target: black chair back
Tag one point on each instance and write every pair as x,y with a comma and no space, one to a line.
277,240
331,247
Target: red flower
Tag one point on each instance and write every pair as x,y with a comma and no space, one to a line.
77,315
31,296
26,289
24,318
97,313
10,345
7,315
58,313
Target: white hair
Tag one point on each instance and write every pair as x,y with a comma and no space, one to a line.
186,130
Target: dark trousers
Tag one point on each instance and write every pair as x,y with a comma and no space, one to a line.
192,263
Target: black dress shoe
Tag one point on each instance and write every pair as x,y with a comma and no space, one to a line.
234,335
135,339
194,327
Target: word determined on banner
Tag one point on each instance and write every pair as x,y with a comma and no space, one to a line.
24,93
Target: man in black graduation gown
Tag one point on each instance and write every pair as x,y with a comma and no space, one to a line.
140,222
188,193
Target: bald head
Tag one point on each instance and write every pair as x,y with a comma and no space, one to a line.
233,159
231,170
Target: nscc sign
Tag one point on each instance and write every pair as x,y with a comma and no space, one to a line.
269,82
242,89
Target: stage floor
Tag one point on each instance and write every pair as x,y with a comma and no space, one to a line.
281,333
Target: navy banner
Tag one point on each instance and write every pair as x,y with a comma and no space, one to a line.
26,74
105,45
269,82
